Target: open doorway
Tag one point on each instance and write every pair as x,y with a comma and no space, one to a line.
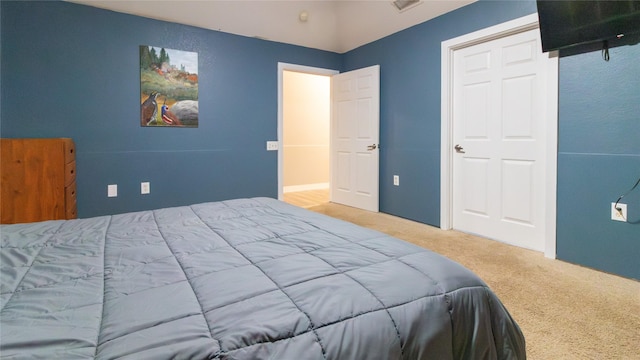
304,134
305,138
354,126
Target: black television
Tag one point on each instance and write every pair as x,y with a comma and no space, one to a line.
565,24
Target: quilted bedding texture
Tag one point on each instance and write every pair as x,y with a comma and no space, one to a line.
239,279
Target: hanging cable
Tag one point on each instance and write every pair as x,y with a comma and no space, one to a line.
623,195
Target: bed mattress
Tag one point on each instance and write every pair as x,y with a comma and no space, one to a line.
240,279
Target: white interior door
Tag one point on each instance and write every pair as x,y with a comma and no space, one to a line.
499,127
355,134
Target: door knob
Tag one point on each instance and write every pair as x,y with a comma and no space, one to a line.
459,148
372,147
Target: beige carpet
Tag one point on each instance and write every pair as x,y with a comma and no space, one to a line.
565,311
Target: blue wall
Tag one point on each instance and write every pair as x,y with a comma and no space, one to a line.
71,70
599,159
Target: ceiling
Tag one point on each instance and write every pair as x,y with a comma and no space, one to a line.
332,25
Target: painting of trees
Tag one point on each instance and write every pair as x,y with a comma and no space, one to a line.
168,87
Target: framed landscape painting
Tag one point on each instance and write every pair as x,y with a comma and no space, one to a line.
168,87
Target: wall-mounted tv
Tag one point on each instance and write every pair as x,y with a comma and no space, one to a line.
569,23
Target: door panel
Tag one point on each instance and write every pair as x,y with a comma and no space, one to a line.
517,176
475,186
476,111
499,126
354,128
343,170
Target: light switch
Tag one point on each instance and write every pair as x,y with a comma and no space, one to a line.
272,145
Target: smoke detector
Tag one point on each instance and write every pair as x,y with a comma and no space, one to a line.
404,5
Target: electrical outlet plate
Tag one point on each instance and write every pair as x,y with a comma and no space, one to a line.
272,145
112,190
396,180
145,188
619,215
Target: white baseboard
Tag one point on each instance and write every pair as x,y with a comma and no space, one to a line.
305,187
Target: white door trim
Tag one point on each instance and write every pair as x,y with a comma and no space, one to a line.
446,162
297,68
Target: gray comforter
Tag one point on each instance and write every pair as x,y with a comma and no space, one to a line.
241,279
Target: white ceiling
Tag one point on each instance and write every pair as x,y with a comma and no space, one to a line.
332,25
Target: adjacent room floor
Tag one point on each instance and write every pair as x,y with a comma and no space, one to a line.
307,199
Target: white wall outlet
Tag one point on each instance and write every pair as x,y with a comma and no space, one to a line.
145,188
396,180
619,215
272,145
112,190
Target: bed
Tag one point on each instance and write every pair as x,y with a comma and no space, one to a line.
240,279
